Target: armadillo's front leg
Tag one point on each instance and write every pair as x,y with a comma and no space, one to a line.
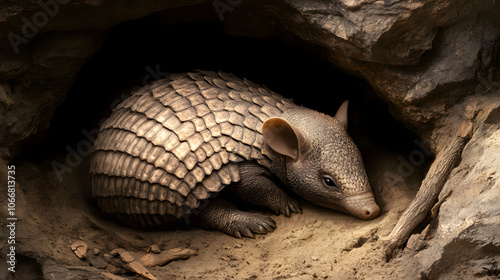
222,215
257,188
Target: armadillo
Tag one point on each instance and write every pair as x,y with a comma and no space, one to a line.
170,149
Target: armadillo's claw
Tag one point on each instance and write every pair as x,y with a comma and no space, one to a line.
287,206
268,228
270,225
261,229
296,208
247,232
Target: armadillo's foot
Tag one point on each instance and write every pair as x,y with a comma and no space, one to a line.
222,215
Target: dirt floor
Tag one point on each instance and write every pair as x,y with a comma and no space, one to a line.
318,244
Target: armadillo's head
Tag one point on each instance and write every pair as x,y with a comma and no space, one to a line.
322,163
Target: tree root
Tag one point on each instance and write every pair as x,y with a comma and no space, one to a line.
429,191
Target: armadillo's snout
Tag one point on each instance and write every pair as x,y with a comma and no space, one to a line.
370,212
362,206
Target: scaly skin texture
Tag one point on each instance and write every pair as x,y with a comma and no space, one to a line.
178,141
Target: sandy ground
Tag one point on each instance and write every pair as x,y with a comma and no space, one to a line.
318,244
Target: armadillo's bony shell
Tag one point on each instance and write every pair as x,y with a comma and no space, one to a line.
174,142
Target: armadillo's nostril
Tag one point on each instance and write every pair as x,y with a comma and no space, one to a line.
372,212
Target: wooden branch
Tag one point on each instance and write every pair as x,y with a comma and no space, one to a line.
162,258
120,258
429,190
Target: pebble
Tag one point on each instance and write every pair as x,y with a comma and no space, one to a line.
80,249
154,249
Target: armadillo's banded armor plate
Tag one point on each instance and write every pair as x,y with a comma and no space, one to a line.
176,141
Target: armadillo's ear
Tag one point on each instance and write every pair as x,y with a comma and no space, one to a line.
281,137
341,114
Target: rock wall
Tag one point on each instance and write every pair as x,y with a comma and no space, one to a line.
428,60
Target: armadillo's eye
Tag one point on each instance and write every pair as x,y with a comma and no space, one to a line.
329,181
